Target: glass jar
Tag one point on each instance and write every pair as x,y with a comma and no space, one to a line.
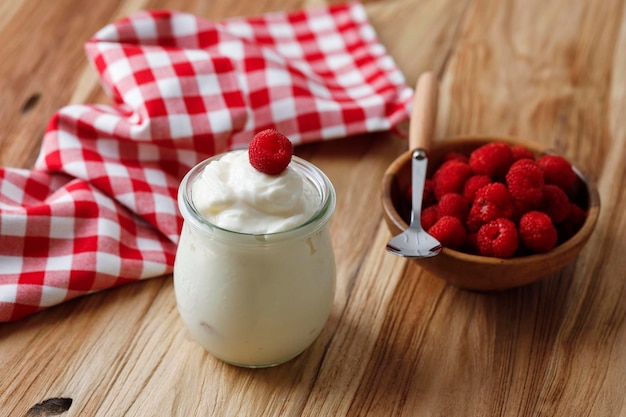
255,300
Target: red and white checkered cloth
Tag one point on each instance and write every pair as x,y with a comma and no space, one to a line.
99,209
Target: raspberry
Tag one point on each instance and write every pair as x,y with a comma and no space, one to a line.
429,193
473,184
492,190
575,219
453,204
491,202
520,209
450,177
558,171
576,215
456,156
270,152
497,238
525,182
521,152
492,159
537,233
554,203
449,231
429,216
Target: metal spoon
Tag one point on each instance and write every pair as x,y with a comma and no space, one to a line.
415,242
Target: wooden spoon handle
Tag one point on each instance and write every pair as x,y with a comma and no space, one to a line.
424,113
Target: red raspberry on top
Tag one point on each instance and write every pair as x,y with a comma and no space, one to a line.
270,152
498,238
554,203
558,171
453,204
521,152
525,182
450,177
491,202
473,184
492,159
449,231
537,233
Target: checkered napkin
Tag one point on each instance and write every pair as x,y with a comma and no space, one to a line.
99,209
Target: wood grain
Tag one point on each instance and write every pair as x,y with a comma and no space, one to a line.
399,341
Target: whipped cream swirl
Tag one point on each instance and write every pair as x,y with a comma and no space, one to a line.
233,195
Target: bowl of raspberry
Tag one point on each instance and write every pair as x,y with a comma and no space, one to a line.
508,211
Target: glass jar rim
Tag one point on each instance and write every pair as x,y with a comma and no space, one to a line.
316,221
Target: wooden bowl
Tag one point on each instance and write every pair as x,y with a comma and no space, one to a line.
484,273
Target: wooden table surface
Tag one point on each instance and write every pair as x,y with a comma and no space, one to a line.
399,341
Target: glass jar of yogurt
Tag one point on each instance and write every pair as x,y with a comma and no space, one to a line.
255,279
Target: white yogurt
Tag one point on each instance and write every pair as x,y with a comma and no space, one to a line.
255,298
